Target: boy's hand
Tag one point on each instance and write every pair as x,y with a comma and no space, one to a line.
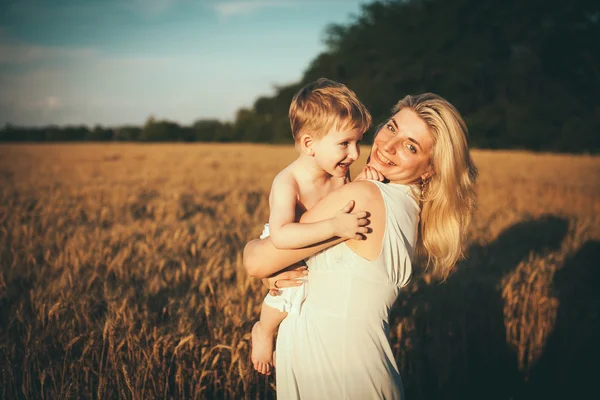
350,225
371,174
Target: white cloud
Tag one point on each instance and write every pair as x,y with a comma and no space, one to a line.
54,84
43,11
25,53
29,97
14,51
51,102
228,9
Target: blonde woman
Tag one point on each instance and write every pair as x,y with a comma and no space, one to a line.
338,346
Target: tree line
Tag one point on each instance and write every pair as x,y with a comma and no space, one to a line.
152,131
524,74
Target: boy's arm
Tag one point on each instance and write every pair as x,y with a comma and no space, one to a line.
282,210
287,234
261,259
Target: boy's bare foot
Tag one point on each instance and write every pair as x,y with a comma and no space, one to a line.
262,350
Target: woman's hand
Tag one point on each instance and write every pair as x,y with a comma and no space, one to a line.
289,277
370,174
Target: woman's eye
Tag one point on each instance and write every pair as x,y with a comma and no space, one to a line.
390,127
412,148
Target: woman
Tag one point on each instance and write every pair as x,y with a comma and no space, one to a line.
338,346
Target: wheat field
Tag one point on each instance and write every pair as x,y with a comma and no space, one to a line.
121,276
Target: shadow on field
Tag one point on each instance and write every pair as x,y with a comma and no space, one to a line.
457,347
569,365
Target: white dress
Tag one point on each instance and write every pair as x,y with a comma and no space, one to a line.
338,346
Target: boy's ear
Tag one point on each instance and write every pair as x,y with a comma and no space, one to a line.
306,144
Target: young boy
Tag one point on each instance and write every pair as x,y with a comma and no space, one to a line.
328,122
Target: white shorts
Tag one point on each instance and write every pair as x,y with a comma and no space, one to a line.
288,299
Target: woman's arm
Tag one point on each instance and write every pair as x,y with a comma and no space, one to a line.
262,259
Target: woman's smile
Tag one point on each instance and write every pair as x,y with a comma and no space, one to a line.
383,159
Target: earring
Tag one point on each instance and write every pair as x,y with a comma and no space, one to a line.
424,183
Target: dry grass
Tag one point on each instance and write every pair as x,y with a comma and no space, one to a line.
121,276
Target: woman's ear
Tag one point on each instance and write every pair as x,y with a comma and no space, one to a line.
428,174
306,144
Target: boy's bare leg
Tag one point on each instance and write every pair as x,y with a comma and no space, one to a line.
263,334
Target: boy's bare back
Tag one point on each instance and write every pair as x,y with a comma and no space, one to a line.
303,193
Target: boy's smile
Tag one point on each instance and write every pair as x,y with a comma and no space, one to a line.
337,150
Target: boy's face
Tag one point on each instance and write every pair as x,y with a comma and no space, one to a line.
337,150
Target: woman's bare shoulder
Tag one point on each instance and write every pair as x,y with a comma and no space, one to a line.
370,199
361,191
364,194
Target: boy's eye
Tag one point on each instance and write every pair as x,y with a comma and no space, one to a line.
345,144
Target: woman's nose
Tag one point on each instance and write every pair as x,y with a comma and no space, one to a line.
390,146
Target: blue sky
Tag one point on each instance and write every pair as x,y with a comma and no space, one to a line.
114,62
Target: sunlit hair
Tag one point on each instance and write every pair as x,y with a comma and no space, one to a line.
323,104
449,197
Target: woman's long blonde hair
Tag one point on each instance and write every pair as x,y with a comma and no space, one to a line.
449,197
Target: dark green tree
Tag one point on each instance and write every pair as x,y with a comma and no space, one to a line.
523,74
100,134
160,131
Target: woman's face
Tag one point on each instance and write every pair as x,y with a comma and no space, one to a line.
402,148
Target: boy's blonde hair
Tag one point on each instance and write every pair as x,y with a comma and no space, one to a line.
323,104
